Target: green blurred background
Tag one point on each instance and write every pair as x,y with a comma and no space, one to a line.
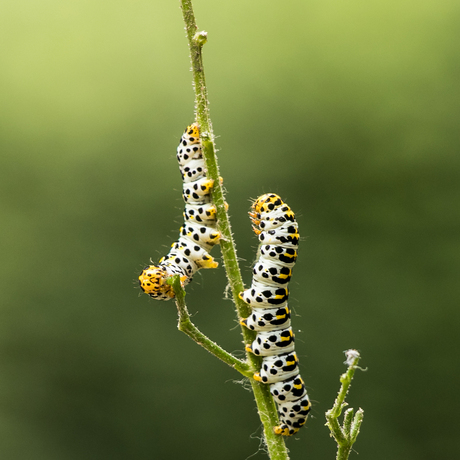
348,109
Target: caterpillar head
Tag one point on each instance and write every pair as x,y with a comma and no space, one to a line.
153,282
266,203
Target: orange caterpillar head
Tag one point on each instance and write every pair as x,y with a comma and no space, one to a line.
266,203
153,282
263,204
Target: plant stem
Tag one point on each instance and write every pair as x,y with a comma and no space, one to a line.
265,404
185,325
345,436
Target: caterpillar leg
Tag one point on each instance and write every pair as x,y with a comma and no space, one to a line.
283,430
207,262
192,256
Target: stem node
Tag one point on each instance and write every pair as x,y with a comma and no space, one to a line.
200,38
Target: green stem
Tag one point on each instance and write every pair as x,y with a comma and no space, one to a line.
356,425
346,435
185,325
265,404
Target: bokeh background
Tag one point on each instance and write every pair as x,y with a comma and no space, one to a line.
348,109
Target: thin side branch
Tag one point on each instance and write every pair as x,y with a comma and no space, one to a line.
346,435
185,325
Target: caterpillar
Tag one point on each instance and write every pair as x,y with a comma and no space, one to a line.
277,230
199,232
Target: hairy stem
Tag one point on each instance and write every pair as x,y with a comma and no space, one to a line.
346,435
185,325
265,404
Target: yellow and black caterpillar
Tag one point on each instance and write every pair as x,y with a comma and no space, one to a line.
277,229
199,232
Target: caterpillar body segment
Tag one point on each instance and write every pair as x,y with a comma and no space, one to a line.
279,218
268,319
277,254
290,389
203,235
275,225
263,295
198,234
293,415
276,367
193,171
198,192
286,236
268,343
200,213
273,275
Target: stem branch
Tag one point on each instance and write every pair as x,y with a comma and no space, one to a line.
185,325
346,435
265,404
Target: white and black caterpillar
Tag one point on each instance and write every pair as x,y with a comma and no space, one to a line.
277,229
198,233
